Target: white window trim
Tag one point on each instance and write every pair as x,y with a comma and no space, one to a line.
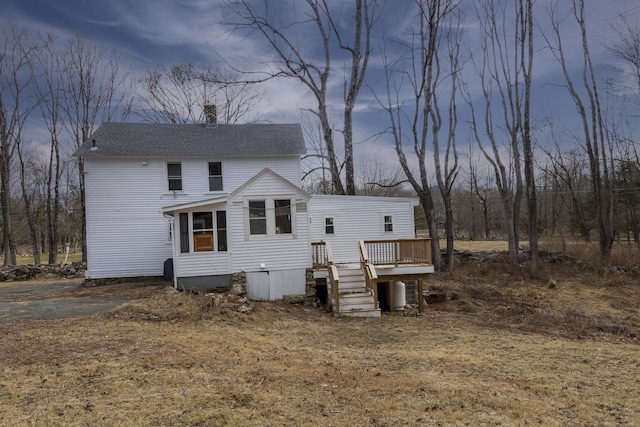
207,176
166,176
324,225
190,234
271,218
384,223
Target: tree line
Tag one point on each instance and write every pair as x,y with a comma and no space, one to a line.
494,169
480,56
60,89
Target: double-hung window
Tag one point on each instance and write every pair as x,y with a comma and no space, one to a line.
329,227
215,176
388,223
174,176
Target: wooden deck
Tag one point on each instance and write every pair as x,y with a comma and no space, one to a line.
380,261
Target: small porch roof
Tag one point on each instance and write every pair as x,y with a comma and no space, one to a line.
170,210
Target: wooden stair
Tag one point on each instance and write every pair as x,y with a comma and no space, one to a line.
355,300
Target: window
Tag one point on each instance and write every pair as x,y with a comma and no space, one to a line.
215,176
221,228
388,223
329,228
283,216
202,232
270,217
184,233
197,231
174,174
257,217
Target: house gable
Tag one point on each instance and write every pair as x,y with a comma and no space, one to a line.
268,182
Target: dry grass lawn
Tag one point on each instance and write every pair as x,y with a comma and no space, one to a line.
503,349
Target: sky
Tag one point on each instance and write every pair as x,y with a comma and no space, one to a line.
149,32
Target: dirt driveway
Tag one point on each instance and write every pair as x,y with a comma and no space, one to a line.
42,300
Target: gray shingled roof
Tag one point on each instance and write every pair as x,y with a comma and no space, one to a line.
186,140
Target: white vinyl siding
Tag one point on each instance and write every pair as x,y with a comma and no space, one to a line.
126,233
358,218
275,251
235,172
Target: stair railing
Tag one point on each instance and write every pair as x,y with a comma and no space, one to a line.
369,271
334,277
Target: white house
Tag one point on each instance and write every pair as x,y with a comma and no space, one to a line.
215,200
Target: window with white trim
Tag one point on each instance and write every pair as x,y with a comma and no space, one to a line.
174,176
329,226
257,217
270,217
198,232
388,223
202,232
215,176
283,216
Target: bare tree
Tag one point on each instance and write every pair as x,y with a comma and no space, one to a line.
49,86
567,168
319,21
627,46
95,90
525,50
593,135
480,187
16,104
178,93
447,167
504,68
30,194
419,70
377,178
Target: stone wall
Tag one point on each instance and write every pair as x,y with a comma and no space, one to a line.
42,271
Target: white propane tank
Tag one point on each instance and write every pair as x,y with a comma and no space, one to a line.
399,299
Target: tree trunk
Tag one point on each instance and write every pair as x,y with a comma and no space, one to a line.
426,202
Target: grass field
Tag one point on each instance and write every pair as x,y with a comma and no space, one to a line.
44,258
503,349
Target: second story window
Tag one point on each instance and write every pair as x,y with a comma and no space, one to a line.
174,175
215,176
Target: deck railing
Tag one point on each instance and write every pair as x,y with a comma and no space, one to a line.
380,252
322,258
369,271
399,252
319,255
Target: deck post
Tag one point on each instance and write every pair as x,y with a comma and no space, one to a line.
396,253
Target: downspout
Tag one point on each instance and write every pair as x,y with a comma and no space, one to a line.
172,225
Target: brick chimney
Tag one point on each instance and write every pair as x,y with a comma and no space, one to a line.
210,115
